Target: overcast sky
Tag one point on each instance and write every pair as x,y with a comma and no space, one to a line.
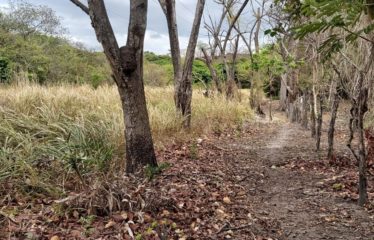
79,27
156,40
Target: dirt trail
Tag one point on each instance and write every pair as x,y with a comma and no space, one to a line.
261,181
294,202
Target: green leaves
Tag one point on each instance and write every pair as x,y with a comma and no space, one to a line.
340,17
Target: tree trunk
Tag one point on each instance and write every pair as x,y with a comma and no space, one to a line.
283,93
312,116
334,111
183,77
319,124
127,67
257,32
362,109
230,83
305,111
212,70
168,7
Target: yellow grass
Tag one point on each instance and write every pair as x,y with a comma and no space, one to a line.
46,133
83,103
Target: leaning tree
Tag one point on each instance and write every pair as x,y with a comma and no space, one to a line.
127,66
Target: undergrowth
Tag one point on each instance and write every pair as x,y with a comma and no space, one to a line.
58,139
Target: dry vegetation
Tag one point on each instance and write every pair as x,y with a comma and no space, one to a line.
55,137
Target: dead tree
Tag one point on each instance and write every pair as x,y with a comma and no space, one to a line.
127,66
182,74
356,65
223,42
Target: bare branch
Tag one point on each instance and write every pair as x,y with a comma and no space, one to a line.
79,4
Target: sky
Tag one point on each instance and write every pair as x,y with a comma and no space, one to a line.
156,40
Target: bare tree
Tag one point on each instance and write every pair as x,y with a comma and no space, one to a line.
27,19
356,64
182,74
233,19
127,67
221,39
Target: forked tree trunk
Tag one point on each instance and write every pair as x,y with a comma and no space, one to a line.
231,86
127,67
334,113
182,76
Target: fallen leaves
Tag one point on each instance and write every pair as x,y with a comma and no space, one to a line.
207,193
227,200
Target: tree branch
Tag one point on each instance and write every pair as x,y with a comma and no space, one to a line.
81,6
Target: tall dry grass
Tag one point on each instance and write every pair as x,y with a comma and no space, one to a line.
50,136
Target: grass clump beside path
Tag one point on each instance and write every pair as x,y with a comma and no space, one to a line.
56,139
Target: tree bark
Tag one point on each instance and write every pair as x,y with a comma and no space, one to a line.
283,93
127,67
334,112
362,109
168,7
312,116
257,32
319,124
305,110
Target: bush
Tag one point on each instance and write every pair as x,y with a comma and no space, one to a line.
4,70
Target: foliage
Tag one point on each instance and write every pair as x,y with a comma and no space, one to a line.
200,72
269,65
329,15
26,19
4,70
151,172
43,58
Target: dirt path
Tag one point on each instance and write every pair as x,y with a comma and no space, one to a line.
290,199
263,181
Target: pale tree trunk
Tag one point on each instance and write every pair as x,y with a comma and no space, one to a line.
304,121
127,67
312,115
271,98
257,32
255,101
168,6
283,93
182,76
334,112
319,124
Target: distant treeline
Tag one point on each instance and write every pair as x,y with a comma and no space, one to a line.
33,48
